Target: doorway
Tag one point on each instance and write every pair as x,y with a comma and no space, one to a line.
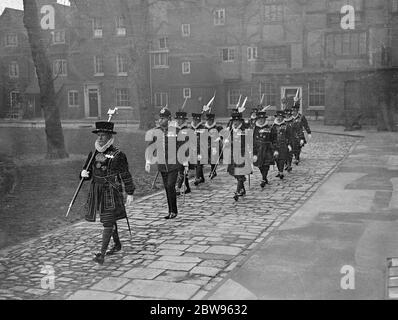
92,101
289,93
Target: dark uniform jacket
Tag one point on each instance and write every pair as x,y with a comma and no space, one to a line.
214,131
169,136
199,129
264,139
109,174
242,147
299,124
283,135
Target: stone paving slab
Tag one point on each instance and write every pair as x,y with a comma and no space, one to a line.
170,259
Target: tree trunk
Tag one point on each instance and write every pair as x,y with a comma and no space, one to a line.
137,19
53,128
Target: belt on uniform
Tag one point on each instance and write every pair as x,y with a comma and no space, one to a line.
105,179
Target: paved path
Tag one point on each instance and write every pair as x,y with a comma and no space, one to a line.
348,231
185,258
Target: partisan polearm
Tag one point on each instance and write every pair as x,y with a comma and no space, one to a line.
111,113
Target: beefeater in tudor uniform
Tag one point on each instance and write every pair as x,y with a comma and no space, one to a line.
264,140
289,122
238,127
214,153
180,124
108,172
198,126
299,124
283,142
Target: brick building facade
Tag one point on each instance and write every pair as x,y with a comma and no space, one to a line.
231,47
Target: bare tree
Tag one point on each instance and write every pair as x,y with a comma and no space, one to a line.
53,128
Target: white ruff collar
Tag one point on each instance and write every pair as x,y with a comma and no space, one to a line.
196,126
262,126
212,126
295,117
105,146
279,123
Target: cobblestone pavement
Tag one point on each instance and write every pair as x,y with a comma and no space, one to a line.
183,258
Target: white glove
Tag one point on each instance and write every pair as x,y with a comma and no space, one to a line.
301,142
185,169
226,141
289,148
276,154
85,174
129,200
213,150
147,167
199,157
254,158
309,136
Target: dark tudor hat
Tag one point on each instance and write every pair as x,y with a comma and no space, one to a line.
181,115
197,116
104,126
236,115
262,114
296,106
280,113
164,113
210,116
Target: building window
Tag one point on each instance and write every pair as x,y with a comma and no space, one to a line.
122,98
163,43
346,44
11,40
394,6
273,11
58,36
334,19
268,89
317,93
121,63
97,27
121,26
15,98
251,53
13,70
186,93
227,54
98,66
276,54
186,67
161,99
219,17
186,30
60,68
233,97
160,60
73,98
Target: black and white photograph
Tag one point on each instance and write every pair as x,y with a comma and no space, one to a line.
216,152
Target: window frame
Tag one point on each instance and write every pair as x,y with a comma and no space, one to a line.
186,96
188,33
230,50
269,89
63,62
121,30
18,97
121,61
163,96
165,40
317,93
127,101
358,41
188,69
155,64
13,67
219,17
97,27
75,99
101,59
12,44
53,36
274,8
250,53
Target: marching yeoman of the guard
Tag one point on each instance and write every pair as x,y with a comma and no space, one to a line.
238,169
282,144
299,124
289,122
264,140
253,118
108,172
214,142
168,164
199,128
180,123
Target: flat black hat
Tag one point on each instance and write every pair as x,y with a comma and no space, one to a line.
262,114
164,113
181,115
210,116
104,126
280,113
296,106
197,116
236,115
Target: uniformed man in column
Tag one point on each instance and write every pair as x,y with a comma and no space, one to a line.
198,126
299,124
289,123
214,142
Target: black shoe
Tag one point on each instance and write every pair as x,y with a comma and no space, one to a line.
197,181
173,215
116,248
281,176
236,197
188,190
213,175
297,162
99,258
241,192
168,216
263,183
